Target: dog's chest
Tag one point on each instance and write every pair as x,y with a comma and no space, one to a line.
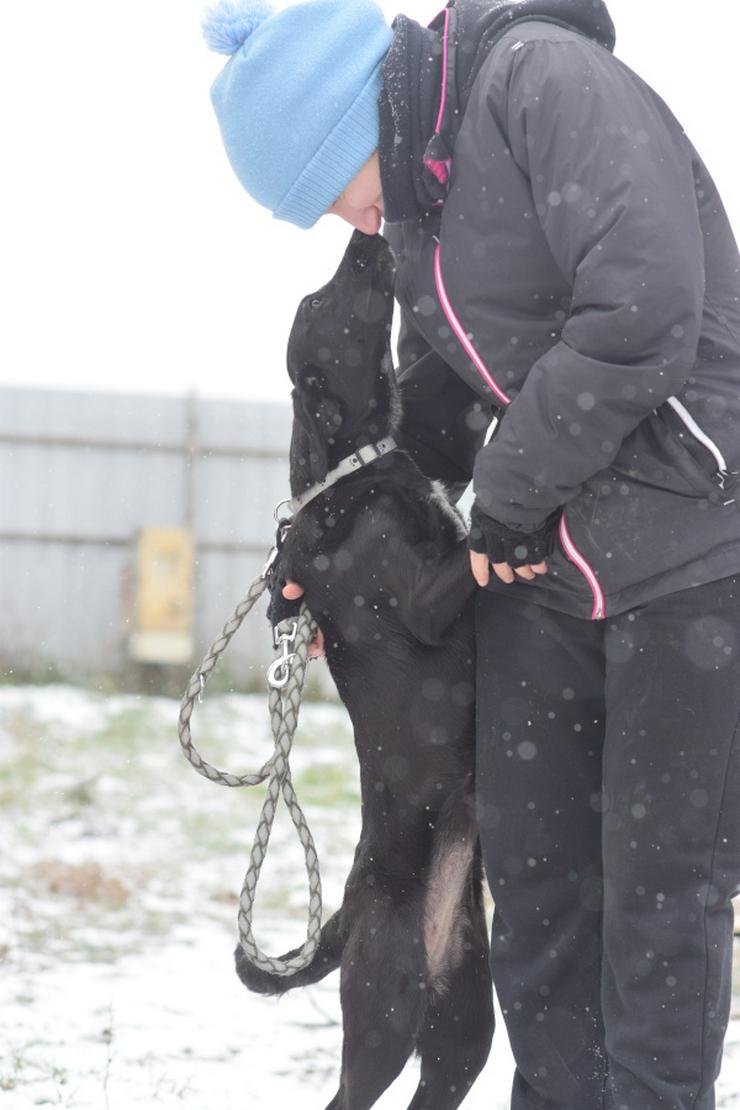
349,582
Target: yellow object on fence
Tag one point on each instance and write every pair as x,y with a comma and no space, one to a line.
163,597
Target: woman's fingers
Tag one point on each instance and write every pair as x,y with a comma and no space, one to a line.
479,567
316,648
504,572
292,592
507,575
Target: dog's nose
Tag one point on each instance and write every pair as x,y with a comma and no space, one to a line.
369,259
364,256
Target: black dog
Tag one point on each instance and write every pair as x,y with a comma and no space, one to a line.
382,558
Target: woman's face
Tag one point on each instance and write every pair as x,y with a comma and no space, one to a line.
361,203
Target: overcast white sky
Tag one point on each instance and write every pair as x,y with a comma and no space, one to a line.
131,258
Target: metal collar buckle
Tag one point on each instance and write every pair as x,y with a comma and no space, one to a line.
283,527
359,458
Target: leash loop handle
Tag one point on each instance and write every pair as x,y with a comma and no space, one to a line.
284,706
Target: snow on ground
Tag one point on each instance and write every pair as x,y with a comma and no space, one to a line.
119,874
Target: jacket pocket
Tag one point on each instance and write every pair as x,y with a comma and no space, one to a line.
668,451
698,457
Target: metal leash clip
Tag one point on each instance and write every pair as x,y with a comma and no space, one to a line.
271,560
282,531
279,672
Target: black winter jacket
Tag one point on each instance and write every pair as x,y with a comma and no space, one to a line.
581,279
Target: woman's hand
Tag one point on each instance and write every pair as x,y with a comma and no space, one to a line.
510,553
292,592
480,567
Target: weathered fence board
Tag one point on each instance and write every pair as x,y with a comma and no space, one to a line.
82,473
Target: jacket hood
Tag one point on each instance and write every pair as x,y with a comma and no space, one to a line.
479,23
448,55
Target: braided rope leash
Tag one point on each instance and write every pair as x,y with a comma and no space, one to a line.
286,676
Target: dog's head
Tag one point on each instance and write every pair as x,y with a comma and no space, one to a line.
340,362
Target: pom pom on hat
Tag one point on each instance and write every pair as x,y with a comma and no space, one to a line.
228,24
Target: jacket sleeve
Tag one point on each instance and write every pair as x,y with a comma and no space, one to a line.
443,423
613,190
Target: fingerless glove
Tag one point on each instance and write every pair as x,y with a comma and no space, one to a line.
504,545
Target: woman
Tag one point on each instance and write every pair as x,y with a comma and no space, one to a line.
564,264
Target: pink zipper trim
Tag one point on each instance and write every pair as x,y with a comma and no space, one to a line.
440,116
460,331
441,170
599,609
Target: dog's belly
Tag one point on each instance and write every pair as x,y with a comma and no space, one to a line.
443,920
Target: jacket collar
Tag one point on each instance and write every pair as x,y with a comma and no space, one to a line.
412,77
428,73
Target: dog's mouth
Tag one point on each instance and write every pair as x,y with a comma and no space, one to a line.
353,311
368,268
369,250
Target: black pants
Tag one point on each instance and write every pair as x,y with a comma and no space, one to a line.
609,804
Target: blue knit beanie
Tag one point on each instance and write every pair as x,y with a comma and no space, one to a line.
297,102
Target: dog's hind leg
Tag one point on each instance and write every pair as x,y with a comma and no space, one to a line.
382,990
456,1035
456,1039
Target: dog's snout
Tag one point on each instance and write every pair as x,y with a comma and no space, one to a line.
362,252
366,257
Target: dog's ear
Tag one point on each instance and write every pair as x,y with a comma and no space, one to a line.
319,418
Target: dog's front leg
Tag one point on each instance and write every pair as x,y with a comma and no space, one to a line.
432,591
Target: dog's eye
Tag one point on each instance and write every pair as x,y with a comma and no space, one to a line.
316,302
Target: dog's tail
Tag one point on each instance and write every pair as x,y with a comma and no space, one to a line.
327,958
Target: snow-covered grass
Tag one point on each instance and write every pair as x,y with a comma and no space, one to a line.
119,874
